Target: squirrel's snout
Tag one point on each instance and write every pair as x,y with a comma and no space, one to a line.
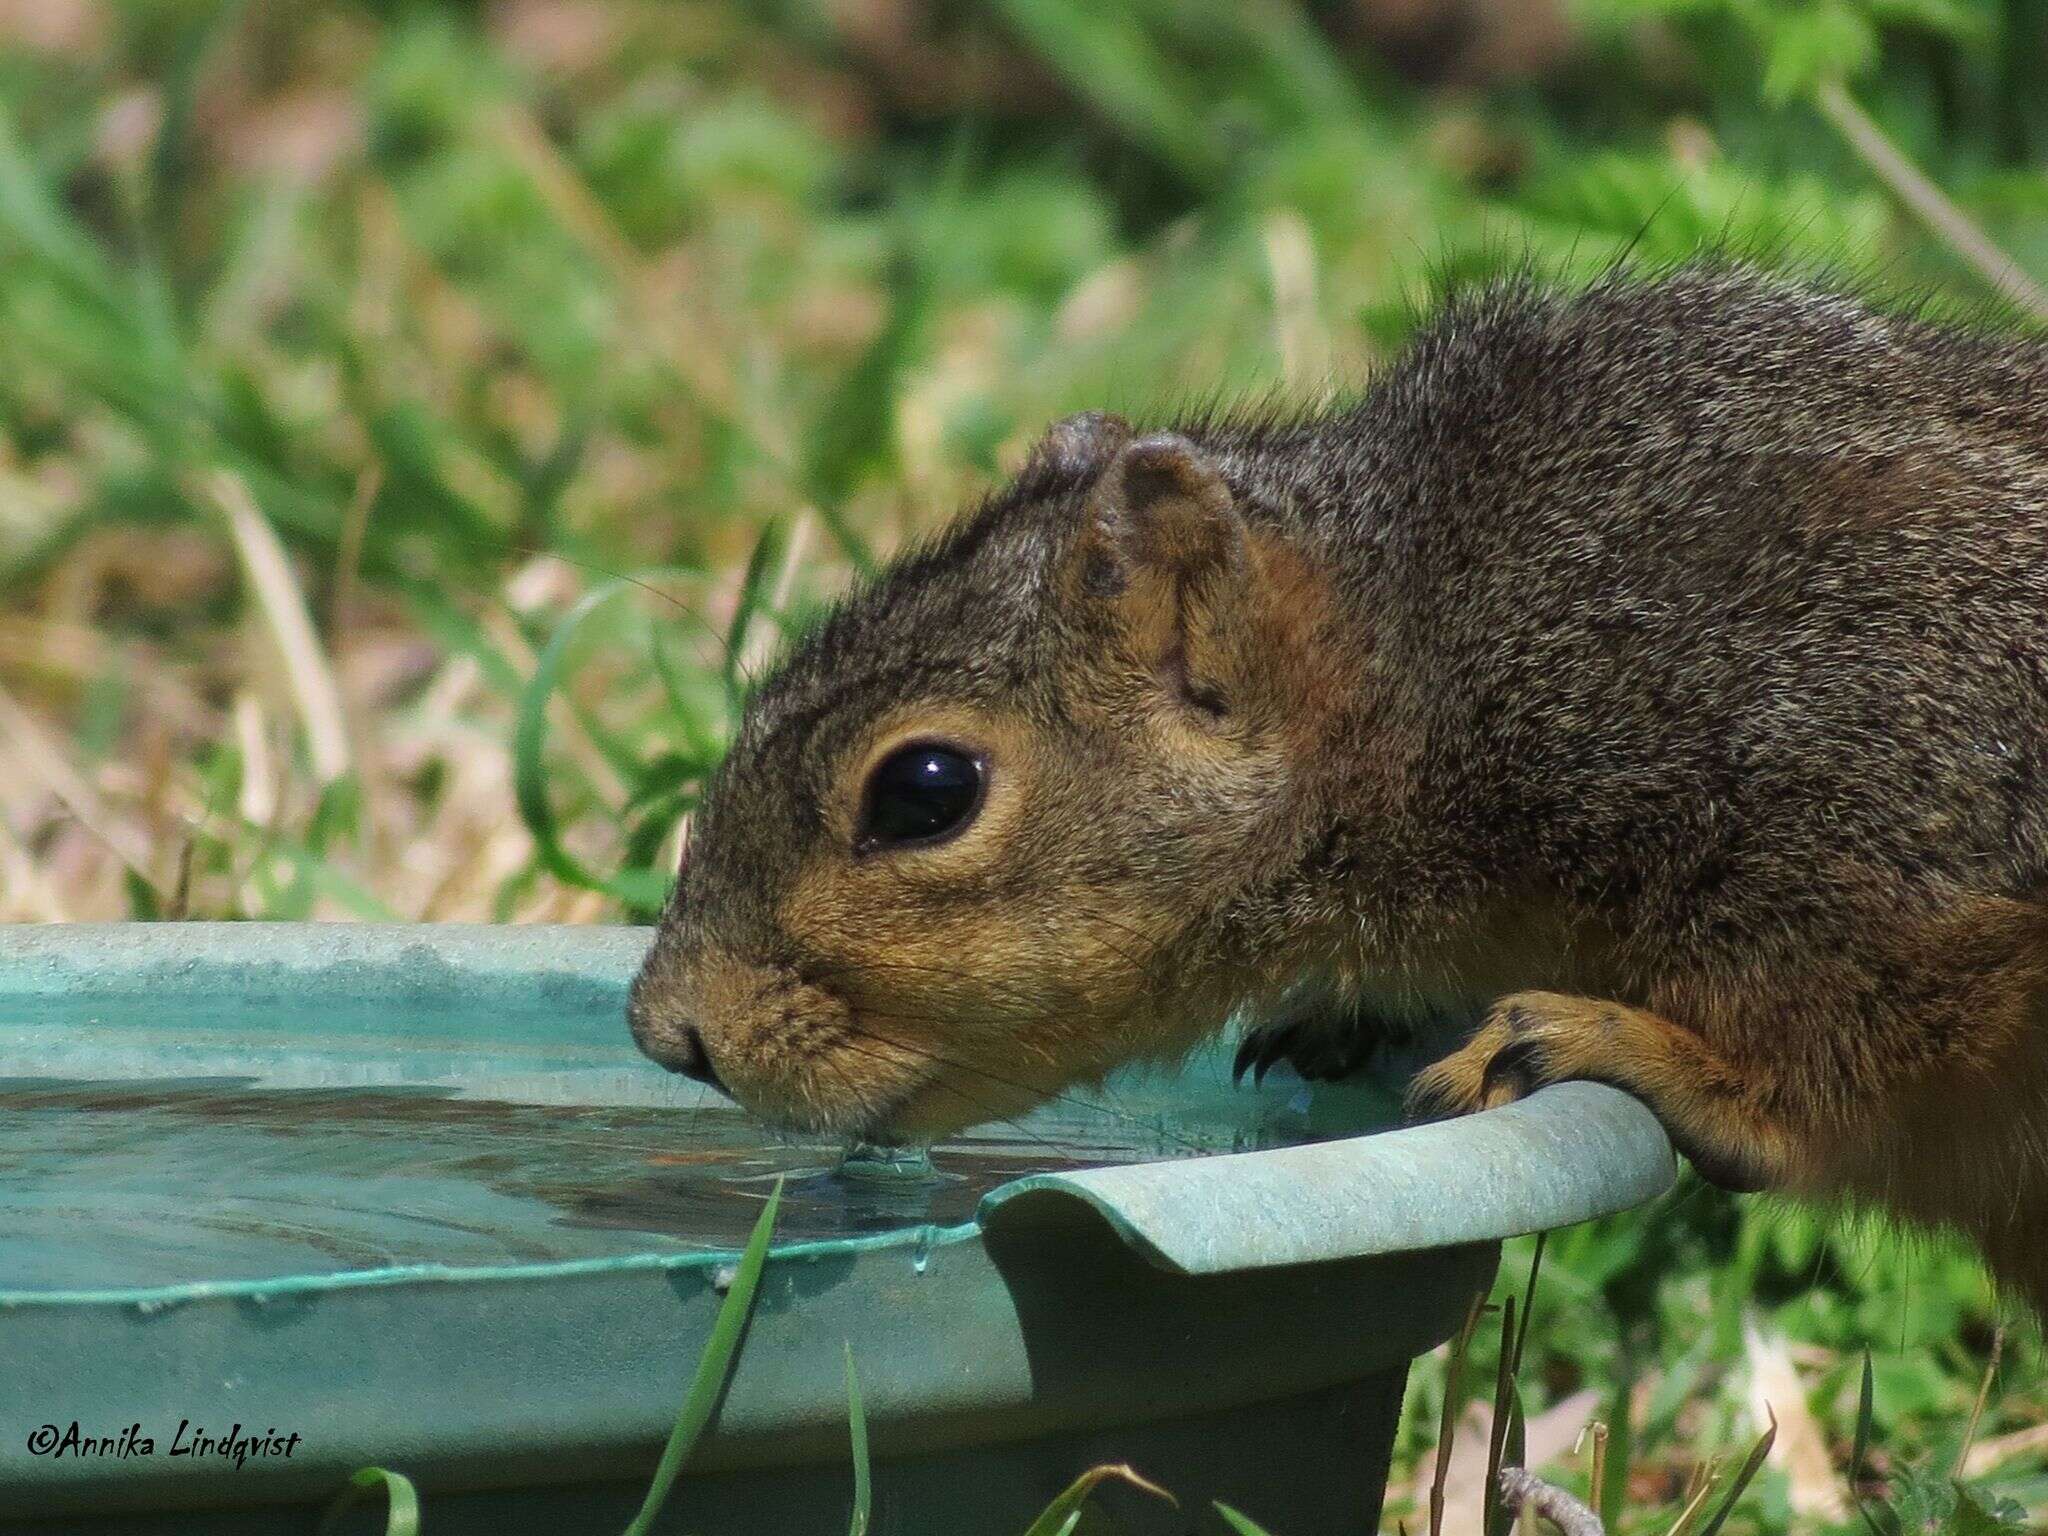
676,1046
680,1049
686,1054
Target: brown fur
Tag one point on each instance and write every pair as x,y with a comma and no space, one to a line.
1662,670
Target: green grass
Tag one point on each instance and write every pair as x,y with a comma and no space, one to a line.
417,420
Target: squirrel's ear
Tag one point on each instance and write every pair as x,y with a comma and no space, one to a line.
1160,511
1164,548
1080,445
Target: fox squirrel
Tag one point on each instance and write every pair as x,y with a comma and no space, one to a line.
1659,669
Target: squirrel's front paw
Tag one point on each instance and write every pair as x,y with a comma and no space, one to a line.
1533,1039
1524,1044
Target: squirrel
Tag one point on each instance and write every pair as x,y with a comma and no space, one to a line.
1658,669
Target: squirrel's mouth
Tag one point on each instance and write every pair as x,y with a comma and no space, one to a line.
944,1097
833,1081
798,1053
917,1118
855,1090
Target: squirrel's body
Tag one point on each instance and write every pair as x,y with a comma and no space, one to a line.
1661,669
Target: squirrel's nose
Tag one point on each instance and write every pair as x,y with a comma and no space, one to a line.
689,1057
679,1049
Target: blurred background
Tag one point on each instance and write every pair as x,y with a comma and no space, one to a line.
417,420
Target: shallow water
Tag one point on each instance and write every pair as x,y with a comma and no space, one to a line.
117,1183
191,1139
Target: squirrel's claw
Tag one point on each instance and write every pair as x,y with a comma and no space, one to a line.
1322,1047
1257,1052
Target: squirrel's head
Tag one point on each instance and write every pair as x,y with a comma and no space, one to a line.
979,835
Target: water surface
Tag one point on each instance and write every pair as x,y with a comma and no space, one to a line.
183,1141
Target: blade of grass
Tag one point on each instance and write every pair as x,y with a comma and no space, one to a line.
1529,1301
1700,1489
1064,1512
1109,58
332,883
1515,1445
1499,1516
1750,1467
1927,202
1514,1453
403,1501
1865,1410
758,646
283,605
1983,1397
753,597
676,344
530,778
1859,1452
171,159
36,221
714,1367
1612,1490
1241,1523
855,433
1454,1379
1286,59
41,760
1596,1477
697,741
857,1425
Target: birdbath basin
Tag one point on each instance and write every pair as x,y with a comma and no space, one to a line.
285,1200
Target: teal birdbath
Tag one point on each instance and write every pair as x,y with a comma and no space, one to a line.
287,1200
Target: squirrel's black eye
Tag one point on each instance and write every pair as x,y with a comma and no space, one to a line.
919,794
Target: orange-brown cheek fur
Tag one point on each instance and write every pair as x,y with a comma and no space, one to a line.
962,967
1001,1006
